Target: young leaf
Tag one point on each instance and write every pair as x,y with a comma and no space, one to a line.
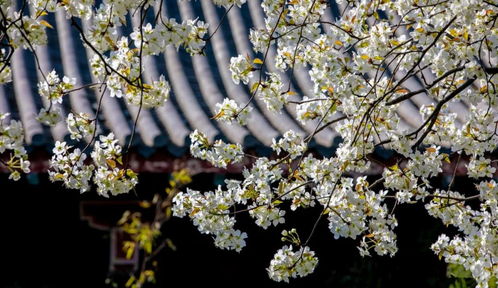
46,24
257,61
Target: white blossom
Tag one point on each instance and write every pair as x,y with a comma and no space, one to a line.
49,117
229,111
11,143
53,88
480,167
241,68
287,263
219,154
80,125
106,171
290,143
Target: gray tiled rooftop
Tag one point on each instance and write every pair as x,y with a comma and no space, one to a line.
198,83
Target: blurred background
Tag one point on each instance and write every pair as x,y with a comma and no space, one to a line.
46,243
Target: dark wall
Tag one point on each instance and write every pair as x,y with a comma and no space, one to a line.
46,245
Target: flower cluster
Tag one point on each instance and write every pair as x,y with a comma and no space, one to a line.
349,59
37,35
210,213
80,8
241,68
122,82
489,194
290,143
68,165
402,181
427,164
219,153
5,74
50,116
189,34
475,246
11,144
272,94
80,125
309,109
103,35
480,167
5,71
267,215
228,3
471,252
43,5
154,95
229,111
287,263
109,177
353,211
53,88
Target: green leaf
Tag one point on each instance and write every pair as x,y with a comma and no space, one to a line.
130,281
257,61
111,163
170,244
41,13
493,282
168,212
277,202
364,44
254,87
46,24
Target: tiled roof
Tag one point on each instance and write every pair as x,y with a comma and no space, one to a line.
198,83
